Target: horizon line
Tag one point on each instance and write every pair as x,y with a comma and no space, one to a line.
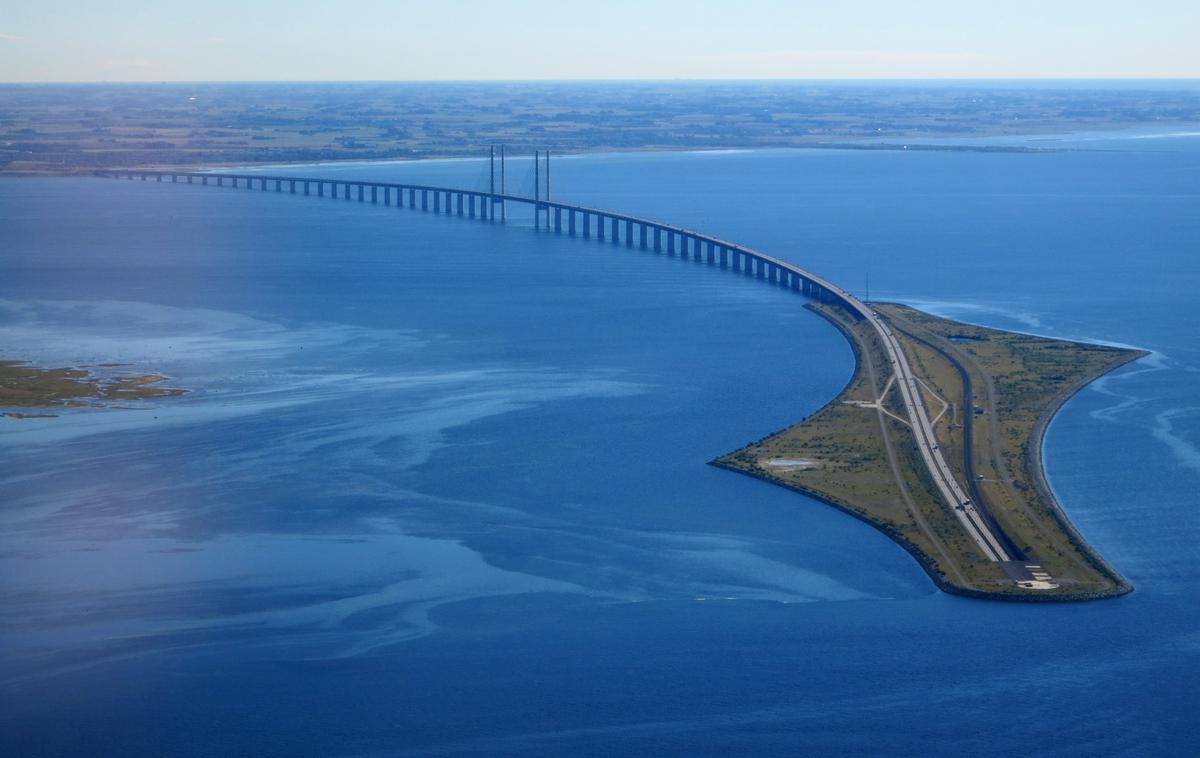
673,80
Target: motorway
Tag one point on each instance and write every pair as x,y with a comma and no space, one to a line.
952,493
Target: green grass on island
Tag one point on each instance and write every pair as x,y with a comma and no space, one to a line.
24,388
1000,388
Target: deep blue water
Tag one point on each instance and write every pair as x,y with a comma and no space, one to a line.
439,486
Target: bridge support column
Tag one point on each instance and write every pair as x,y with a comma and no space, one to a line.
615,231
657,240
571,221
795,282
671,244
773,274
558,220
320,189
600,228
158,178
292,187
459,204
143,177
189,180
174,179
642,236
587,225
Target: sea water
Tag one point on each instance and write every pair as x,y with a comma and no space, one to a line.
439,487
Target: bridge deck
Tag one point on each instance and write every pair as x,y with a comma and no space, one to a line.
972,520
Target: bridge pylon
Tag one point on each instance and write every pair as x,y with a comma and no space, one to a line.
495,199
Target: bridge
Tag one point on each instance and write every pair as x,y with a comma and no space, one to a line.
628,230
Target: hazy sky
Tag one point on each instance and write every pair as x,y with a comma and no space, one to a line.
151,40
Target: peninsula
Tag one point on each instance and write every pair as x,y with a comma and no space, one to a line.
989,395
24,388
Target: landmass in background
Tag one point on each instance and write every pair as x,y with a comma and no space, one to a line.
64,128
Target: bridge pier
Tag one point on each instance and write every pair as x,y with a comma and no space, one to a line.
459,204
642,236
292,187
571,221
587,225
600,228
558,220
671,244
657,240
616,227
158,178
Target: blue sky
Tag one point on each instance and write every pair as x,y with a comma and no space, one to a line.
137,40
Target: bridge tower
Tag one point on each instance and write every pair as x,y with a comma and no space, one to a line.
493,200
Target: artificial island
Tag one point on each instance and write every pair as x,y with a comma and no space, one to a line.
936,440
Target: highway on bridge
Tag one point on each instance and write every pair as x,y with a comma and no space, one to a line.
951,492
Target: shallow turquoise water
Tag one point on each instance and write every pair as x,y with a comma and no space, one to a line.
440,486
